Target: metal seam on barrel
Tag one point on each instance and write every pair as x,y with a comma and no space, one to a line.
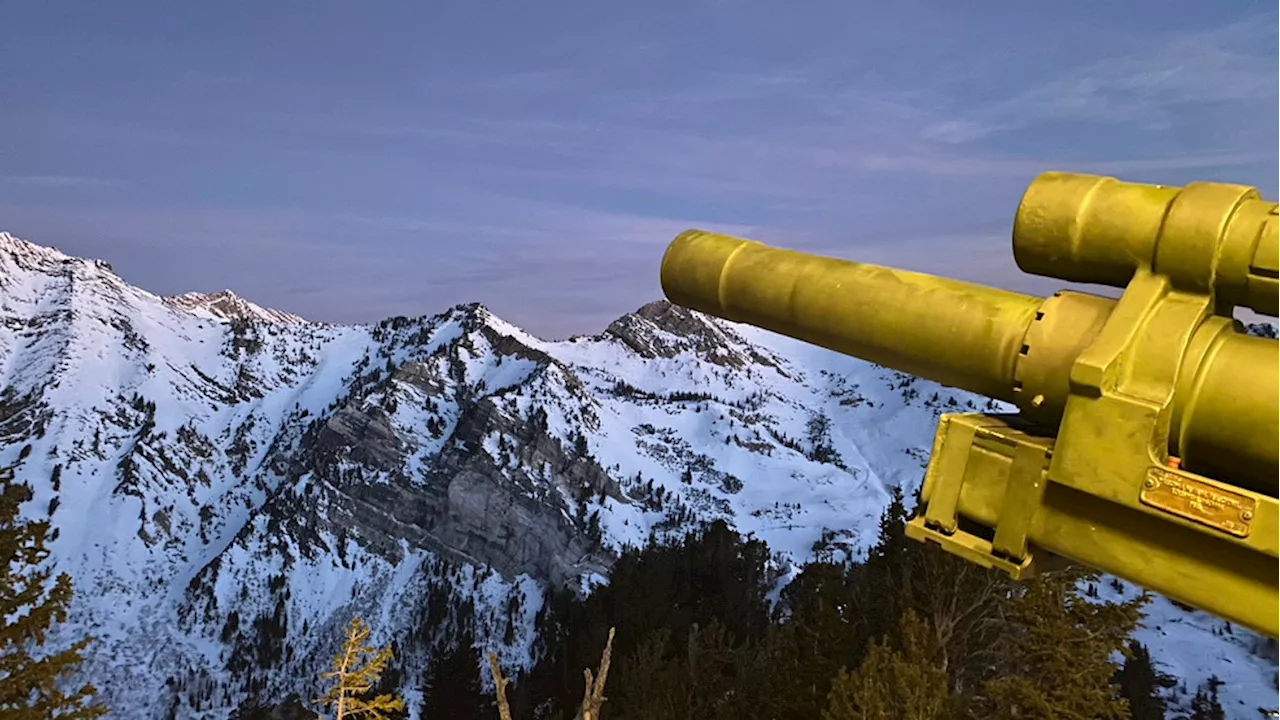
1083,208
723,281
1221,244
1186,413
1164,221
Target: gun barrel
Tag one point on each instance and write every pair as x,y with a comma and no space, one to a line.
955,333
974,338
1227,414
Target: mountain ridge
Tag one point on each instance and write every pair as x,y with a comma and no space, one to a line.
226,305
228,488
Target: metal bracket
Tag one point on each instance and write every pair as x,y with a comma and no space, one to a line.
969,446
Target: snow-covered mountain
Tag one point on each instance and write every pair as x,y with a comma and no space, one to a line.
228,484
226,305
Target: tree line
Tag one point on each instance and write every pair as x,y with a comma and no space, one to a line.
908,631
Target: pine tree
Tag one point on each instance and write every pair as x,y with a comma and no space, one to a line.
291,709
892,683
820,629
887,575
1142,684
389,684
962,602
452,688
699,678
356,670
29,679
1206,705
711,575
1056,657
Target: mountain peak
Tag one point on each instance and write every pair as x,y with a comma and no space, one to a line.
225,305
29,255
662,329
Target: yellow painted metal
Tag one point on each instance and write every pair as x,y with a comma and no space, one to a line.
1146,445
856,309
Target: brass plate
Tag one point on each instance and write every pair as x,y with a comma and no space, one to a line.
1198,501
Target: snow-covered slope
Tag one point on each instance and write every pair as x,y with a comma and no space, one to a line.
229,483
226,305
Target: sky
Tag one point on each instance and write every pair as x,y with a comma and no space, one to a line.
350,161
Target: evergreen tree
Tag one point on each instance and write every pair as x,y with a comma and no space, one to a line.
711,575
1142,684
452,688
893,683
1206,705
291,709
1056,655
32,682
962,602
357,668
884,580
820,630
704,679
390,683
929,634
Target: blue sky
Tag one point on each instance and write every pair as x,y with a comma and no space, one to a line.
348,160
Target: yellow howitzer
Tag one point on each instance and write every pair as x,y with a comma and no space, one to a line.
1146,445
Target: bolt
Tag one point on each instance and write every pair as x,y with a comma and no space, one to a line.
1149,483
1037,401
1247,515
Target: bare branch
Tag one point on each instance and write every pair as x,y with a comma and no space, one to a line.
593,694
500,688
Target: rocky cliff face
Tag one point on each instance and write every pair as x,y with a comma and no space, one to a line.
230,484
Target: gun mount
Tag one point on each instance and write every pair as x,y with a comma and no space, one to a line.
1146,442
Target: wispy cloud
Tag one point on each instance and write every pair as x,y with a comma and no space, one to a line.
534,82
976,165
1220,65
60,181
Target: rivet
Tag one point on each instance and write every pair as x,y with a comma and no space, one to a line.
1149,483
1247,515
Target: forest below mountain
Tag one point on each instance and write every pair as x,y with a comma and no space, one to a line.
907,632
